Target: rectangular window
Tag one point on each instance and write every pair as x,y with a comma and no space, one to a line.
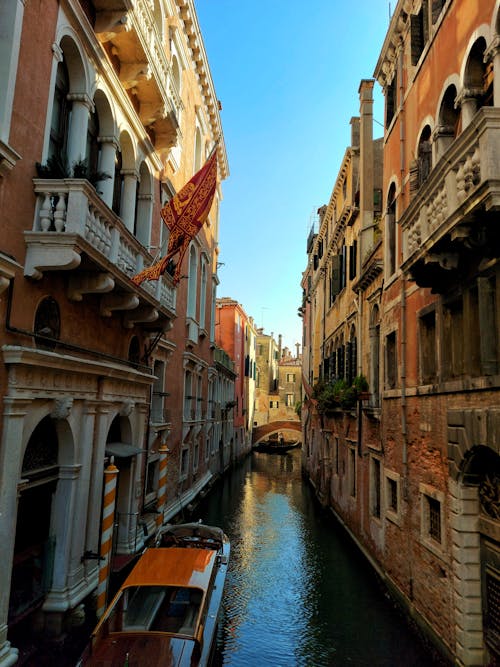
290,377
392,495
353,250
352,471
375,488
453,339
427,351
391,361
432,529
289,401
391,500
184,462
434,509
196,456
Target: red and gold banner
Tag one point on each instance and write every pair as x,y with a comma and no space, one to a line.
184,216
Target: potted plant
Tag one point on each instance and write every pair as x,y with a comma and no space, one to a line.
360,383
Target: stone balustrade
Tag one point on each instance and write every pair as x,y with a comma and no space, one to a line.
464,182
70,220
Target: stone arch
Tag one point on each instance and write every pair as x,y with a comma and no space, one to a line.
474,488
45,491
476,76
128,150
76,63
448,118
104,107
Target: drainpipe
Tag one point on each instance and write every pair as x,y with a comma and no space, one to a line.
404,431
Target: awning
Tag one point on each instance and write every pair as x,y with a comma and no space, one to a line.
122,450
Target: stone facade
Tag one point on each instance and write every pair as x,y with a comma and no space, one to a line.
412,469
107,110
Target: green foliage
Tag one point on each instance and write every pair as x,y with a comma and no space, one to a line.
298,409
57,167
338,395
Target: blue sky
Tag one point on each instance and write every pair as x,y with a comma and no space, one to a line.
287,74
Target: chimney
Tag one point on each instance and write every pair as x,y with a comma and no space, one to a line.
355,132
297,345
366,165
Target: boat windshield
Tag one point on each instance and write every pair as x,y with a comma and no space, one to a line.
168,609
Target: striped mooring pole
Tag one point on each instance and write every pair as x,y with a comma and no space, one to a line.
162,485
108,517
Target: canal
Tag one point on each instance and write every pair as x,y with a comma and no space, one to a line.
298,591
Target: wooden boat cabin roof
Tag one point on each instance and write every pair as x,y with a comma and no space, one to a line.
173,566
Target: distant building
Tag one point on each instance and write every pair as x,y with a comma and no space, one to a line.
235,333
279,382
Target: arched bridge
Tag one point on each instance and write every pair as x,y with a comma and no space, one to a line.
263,432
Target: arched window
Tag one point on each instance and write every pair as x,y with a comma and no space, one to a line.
59,124
478,75
390,228
193,281
424,155
92,151
449,122
47,324
203,292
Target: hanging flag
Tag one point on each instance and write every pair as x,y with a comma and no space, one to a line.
184,216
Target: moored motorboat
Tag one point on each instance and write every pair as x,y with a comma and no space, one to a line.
166,611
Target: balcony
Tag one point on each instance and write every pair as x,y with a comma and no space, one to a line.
75,231
132,40
451,226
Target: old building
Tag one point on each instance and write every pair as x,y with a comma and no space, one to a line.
235,333
106,110
289,384
418,485
266,381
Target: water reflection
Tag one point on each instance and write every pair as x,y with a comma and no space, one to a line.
298,592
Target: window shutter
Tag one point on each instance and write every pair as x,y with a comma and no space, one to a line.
336,271
417,37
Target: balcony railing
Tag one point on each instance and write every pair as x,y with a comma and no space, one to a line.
453,210
143,67
72,221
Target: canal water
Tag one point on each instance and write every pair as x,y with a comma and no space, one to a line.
298,592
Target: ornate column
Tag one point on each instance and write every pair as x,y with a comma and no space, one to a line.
467,100
11,454
130,178
109,146
77,138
